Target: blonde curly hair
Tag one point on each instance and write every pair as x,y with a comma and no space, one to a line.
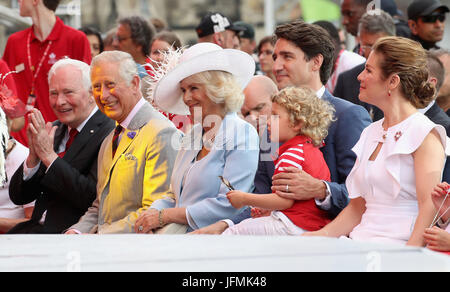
304,107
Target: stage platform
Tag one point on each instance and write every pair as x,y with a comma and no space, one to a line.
189,253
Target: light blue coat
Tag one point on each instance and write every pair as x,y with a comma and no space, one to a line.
196,184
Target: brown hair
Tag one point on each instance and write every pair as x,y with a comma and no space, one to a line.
407,59
312,40
169,37
303,106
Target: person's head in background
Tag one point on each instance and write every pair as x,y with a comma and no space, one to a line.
161,43
443,96
218,29
265,52
133,36
108,41
258,101
352,11
247,37
374,25
159,24
426,19
95,40
436,70
334,34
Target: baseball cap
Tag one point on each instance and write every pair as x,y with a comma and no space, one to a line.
248,32
424,7
215,22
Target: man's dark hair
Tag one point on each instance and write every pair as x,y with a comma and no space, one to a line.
312,40
142,32
436,69
51,4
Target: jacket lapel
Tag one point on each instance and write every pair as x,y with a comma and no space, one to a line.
89,131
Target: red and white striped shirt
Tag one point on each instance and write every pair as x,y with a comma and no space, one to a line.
301,153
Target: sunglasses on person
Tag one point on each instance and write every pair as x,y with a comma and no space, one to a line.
432,18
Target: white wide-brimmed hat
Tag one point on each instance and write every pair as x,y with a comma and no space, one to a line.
200,58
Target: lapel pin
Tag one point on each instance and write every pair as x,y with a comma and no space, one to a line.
131,135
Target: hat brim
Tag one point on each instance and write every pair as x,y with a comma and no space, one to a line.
168,95
432,8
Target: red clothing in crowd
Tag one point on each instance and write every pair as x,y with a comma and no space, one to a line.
63,41
299,152
9,81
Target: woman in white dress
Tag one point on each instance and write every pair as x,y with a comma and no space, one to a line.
399,158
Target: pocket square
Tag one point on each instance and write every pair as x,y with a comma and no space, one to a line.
130,156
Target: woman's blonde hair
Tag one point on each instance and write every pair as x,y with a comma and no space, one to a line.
221,87
303,106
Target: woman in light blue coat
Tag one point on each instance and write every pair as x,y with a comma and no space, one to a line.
208,84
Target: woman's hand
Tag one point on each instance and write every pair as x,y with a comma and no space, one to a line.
437,239
148,221
237,199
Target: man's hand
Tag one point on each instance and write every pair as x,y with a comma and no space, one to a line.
42,138
302,186
216,228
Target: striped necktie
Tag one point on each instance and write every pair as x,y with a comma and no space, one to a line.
115,140
72,134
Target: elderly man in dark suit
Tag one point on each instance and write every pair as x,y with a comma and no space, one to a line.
60,172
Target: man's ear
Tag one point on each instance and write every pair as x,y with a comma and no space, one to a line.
317,62
217,39
136,83
413,26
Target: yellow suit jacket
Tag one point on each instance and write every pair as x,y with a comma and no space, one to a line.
138,175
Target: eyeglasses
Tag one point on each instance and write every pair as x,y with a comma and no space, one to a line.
121,39
432,18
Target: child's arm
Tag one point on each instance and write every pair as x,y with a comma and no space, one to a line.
269,201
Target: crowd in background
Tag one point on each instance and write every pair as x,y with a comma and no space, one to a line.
293,134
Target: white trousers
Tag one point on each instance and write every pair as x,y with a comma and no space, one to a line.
275,224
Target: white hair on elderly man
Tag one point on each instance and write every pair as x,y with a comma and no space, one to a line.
127,66
83,67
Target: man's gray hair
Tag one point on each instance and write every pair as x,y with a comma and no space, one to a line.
83,67
127,67
377,21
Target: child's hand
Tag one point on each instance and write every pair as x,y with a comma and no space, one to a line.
237,199
437,239
438,196
258,212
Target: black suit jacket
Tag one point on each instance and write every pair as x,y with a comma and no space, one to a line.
68,188
347,87
438,116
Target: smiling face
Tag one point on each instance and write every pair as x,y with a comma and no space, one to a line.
290,66
195,97
114,96
70,100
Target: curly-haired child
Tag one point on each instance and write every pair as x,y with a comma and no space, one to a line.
300,120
